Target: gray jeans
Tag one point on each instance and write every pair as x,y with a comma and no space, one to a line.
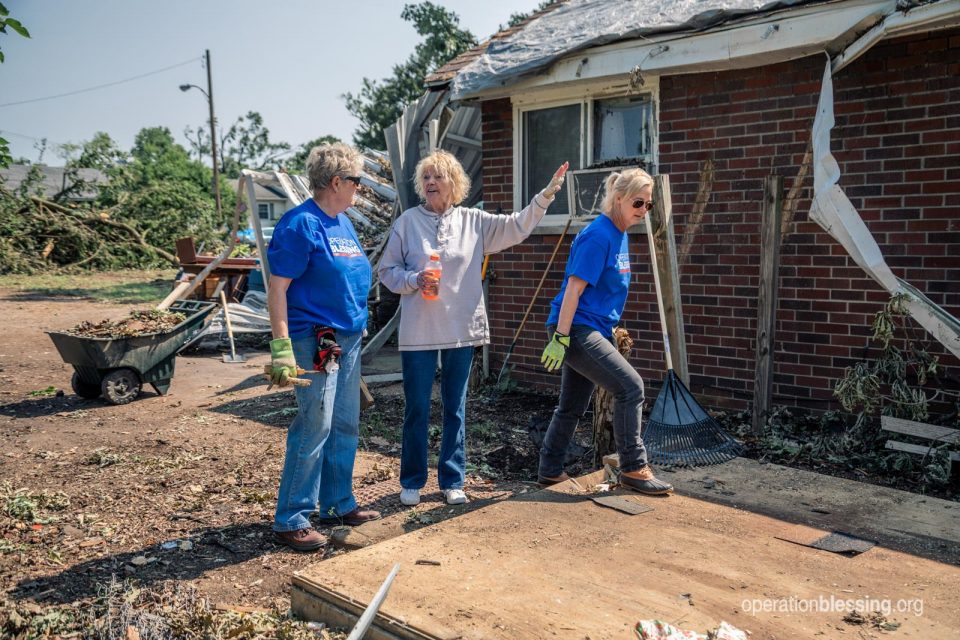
593,360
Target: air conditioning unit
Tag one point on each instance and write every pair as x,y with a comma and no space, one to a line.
585,190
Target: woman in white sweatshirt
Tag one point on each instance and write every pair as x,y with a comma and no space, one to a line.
452,322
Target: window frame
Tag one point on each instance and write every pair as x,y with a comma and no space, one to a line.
586,98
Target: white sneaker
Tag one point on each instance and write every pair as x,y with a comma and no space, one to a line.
410,497
455,496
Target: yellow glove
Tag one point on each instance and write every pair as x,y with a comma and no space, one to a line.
282,363
554,352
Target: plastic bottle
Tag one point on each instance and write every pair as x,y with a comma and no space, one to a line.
434,268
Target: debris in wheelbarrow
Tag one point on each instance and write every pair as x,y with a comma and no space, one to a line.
118,367
139,323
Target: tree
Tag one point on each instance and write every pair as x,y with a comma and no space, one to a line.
6,21
518,17
245,145
297,163
380,102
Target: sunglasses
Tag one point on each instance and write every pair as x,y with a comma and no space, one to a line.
354,179
640,204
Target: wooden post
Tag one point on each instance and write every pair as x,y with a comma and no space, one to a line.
665,246
767,299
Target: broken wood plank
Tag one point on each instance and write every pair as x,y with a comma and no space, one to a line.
918,449
944,435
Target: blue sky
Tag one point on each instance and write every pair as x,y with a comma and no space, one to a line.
291,63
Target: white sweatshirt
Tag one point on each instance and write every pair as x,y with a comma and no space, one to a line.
461,237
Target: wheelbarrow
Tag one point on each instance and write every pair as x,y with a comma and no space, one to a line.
117,368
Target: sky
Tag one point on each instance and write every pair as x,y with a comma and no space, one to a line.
291,63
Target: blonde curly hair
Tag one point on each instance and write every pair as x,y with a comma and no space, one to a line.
445,164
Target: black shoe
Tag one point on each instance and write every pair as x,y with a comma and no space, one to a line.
648,485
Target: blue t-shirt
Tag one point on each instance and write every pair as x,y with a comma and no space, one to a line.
331,274
599,255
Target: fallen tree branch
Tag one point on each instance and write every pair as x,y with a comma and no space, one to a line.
104,218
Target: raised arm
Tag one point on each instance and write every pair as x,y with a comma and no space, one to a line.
503,231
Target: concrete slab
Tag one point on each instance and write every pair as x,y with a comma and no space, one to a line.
552,564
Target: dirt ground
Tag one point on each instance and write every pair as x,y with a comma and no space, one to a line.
180,488
177,491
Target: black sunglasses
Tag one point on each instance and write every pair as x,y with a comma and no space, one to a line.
640,204
354,179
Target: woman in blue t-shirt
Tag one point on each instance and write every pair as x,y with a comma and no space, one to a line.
318,306
581,323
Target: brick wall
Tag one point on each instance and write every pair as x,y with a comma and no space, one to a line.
897,140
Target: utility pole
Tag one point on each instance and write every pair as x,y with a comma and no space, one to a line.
213,138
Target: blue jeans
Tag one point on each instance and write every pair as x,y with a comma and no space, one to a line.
322,440
419,368
593,360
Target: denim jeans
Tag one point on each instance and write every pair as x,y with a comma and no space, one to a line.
419,368
593,360
322,440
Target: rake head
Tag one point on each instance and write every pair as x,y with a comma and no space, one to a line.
680,433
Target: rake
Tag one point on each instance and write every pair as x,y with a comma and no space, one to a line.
679,431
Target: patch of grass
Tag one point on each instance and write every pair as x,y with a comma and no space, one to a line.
42,393
124,287
23,505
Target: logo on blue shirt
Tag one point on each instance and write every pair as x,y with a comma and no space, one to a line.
344,247
623,262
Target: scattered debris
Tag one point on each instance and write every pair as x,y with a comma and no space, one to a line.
659,630
139,323
873,619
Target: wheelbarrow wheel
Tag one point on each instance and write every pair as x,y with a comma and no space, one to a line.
121,386
84,389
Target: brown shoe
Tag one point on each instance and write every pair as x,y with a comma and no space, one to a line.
643,481
352,519
547,481
308,539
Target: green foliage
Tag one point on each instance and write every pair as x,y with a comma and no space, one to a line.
15,26
380,102
894,380
518,17
245,144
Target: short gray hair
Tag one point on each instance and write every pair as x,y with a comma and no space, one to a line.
328,160
623,185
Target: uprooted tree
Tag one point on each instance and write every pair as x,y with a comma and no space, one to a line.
150,197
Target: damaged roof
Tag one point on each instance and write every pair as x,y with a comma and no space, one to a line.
571,26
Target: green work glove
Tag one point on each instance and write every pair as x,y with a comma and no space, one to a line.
554,352
282,363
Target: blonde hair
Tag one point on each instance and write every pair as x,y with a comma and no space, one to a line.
328,160
445,164
623,185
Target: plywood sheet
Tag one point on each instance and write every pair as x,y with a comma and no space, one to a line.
552,564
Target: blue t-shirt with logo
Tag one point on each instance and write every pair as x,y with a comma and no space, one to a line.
330,271
599,255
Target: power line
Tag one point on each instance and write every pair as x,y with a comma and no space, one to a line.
100,86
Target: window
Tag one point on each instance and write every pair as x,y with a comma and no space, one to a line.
613,131
621,129
265,210
550,137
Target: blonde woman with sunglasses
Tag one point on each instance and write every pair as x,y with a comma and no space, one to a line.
581,345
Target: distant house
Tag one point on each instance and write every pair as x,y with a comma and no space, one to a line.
53,181
272,203
720,95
